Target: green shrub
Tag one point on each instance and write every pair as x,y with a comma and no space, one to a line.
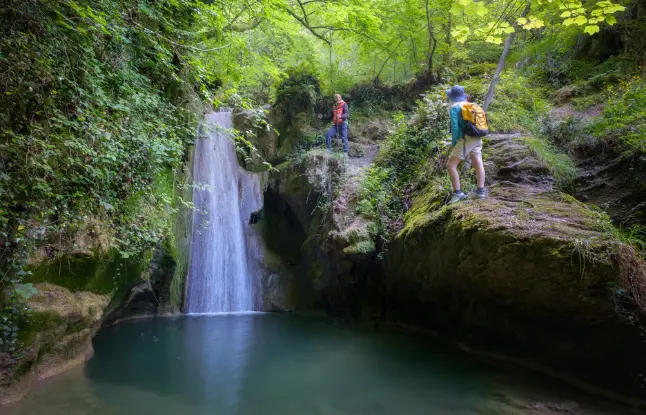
385,185
634,236
567,134
373,97
298,93
518,105
624,116
559,163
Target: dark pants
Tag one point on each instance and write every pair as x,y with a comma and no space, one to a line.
343,132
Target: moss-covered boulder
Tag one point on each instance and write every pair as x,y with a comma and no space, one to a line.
529,272
311,204
57,335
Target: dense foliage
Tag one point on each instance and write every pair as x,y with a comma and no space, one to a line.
385,186
98,106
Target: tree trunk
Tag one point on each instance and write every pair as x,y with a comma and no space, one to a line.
429,63
501,62
331,66
432,42
449,27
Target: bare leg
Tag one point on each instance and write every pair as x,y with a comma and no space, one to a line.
476,159
452,167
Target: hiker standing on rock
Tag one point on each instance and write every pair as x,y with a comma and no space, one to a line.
340,115
468,126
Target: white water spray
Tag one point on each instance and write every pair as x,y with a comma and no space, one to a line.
223,275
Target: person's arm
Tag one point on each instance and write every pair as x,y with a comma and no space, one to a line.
346,112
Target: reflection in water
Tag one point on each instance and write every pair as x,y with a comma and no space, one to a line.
217,358
286,365
200,360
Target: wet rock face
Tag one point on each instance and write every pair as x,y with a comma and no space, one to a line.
57,336
146,297
277,293
612,181
314,214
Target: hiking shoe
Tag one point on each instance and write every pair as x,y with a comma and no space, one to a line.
457,197
480,194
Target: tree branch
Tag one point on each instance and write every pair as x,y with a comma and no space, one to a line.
307,26
388,58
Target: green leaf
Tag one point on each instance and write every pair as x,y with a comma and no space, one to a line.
591,29
580,20
497,40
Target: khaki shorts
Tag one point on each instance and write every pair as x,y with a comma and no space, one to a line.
474,146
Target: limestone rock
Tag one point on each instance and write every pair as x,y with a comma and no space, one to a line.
277,293
528,272
57,336
147,296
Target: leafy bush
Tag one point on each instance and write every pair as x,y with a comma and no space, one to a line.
624,116
299,92
385,185
560,164
567,134
98,109
634,236
373,96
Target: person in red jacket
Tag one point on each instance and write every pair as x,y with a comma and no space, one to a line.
340,116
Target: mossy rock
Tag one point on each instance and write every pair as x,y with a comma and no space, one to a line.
93,273
56,335
152,295
303,182
526,272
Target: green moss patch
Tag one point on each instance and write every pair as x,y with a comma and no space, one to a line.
88,273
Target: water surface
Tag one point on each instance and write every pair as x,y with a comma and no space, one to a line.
285,365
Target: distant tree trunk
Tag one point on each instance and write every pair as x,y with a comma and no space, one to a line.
331,66
432,41
501,62
415,62
449,27
429,63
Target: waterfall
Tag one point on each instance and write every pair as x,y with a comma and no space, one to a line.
223,273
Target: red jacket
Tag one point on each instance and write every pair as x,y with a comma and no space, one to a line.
340,113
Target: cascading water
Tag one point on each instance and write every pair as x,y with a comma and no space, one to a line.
222,271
